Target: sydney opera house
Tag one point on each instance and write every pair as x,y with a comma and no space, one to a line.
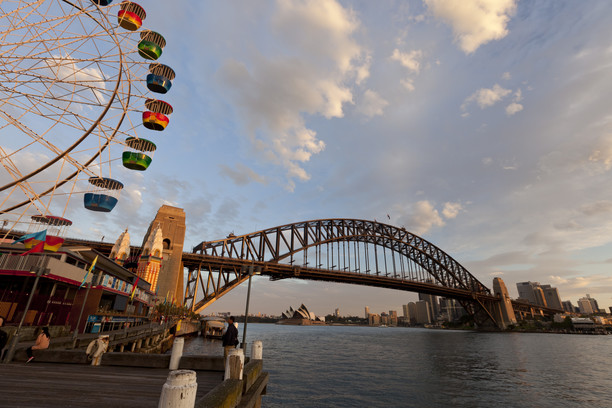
300,316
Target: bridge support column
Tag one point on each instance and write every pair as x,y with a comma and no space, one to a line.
504,313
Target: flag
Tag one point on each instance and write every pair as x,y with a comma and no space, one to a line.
134,288
53,243
32,240
39,236
91,268
40,247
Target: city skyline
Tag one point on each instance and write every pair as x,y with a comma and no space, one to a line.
483,127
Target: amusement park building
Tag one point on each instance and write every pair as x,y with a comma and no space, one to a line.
62,288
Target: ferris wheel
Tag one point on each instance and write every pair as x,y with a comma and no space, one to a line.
77,99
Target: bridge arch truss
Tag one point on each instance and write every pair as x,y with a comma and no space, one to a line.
337,250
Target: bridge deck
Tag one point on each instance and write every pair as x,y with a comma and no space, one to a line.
75,385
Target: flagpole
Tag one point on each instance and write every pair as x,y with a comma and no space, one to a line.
76,329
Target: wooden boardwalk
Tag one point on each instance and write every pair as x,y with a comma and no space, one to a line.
77,385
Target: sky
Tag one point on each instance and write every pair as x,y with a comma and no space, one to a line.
484,126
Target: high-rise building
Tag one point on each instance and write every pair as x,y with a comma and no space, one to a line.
422,312
568,306
432,302
337,312
553,300
412,312
392,321
594,306
525,291
584,305
406,311
367,311
541,295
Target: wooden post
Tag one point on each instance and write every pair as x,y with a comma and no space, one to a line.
257,350
180,390
234,365
177,352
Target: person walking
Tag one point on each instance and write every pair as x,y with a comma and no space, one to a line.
230,338
42,342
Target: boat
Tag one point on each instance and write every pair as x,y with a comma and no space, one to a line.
212,327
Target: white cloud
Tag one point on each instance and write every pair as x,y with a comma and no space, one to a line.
372,104
474,22
273,93
408,84
323,30
513,108
409,60
602,153
486,97
451,210
420,217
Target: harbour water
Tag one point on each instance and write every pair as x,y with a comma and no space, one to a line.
345,366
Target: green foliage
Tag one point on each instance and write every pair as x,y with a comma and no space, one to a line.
176,311
345,319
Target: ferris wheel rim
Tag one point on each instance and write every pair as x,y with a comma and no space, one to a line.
113,34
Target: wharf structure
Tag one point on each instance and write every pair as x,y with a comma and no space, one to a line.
66,286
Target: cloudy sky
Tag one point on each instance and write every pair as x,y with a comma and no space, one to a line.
485,126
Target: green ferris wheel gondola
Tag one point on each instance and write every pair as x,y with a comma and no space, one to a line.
151,45
137,158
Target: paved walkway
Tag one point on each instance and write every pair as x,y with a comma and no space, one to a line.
76,385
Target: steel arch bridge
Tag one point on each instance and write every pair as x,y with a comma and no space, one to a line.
335,250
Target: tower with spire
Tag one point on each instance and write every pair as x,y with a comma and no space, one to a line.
121,250
149,263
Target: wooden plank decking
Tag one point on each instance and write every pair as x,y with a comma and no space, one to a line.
76,385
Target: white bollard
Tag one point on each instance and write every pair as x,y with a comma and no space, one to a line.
180,390
239,353
177,353
257,350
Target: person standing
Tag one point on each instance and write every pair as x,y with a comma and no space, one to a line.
96,348
230,338
42,342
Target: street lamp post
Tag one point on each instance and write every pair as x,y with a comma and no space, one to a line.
246,312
